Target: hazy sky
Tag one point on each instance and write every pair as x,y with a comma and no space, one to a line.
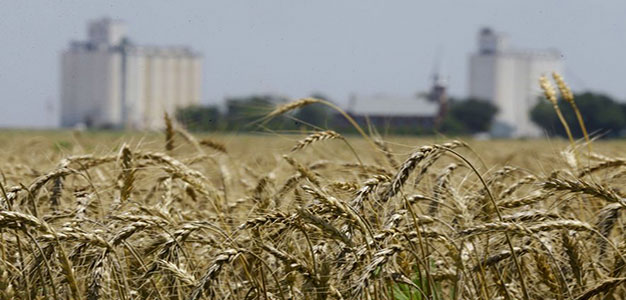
296,47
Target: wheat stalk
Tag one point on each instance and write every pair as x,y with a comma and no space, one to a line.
601,288
315,137
378,261
214,145
385,149
566,93
128,173
550,94
570,244
607,217
580,186
304,171
169,132
204,283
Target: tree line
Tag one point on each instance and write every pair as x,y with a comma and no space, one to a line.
603,116
464,116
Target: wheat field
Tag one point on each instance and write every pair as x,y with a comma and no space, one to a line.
174,215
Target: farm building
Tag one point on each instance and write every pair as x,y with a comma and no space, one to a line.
404,114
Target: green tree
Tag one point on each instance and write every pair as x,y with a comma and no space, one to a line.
452,126
244,112
601,114
469,116
199,118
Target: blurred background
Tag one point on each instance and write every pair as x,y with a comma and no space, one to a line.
406,67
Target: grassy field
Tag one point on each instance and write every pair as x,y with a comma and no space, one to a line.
111,215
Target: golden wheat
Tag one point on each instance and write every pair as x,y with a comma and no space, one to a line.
134,221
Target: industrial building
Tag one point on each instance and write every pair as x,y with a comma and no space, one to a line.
406,114
508,78
108,82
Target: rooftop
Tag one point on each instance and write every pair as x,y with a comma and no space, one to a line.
392,105
109,35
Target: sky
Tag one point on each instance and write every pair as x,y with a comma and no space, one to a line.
295,47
